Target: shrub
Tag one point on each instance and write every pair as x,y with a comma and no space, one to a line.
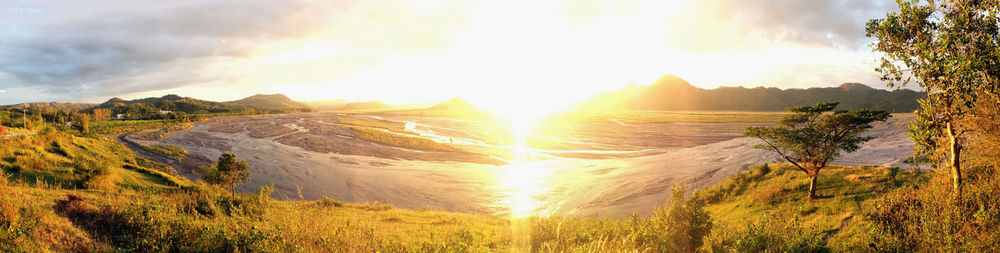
329,202
253,206
920,219
683,223
770,233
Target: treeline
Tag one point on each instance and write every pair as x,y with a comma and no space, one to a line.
177,107
672,93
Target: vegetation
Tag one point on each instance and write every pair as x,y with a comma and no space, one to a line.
166,150
272,102
811,137
950,49
118,127
227,171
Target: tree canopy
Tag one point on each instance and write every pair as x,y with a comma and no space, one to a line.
952,50
811,136
228,171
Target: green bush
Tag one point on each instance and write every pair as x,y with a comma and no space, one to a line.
329,202
770,233
249,205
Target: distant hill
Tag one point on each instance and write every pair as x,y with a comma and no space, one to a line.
52,106
454,104
371,105
327,105
273,102
673,93
151,107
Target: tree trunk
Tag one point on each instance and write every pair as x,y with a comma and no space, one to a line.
812,187
956,162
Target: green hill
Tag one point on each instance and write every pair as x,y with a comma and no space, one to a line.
51,106
146,108
673,93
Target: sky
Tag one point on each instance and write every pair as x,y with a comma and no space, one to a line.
492,53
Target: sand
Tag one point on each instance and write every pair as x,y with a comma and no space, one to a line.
605,169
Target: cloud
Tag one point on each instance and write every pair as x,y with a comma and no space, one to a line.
104,48
719,25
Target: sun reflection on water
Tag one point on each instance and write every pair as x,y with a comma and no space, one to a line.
523,180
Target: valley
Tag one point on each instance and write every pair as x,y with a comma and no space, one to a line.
610,168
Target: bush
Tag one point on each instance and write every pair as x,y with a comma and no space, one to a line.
253,206
329,202
143,225
770,233
679,226
929,219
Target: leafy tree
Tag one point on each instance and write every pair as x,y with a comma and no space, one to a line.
227,171
951,49
810,137
82,122
102,114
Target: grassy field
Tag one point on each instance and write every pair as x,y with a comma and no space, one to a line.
117,127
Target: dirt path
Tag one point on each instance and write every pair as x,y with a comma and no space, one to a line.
843,224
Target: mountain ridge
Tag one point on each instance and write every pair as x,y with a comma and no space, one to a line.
673,93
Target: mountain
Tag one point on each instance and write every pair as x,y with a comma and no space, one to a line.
273,102
365,106
454,104
151,107
327,105
673,93
53,106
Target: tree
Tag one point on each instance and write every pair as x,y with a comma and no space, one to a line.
227,171
102,114
811,136
952,50
82,122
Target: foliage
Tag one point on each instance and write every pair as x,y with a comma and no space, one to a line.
117,127
951,49
227,171
769,233
679,226
810,137
167,150
102,114
919,219
81,122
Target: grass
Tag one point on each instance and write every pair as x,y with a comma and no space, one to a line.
167,150
777,194
117,127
